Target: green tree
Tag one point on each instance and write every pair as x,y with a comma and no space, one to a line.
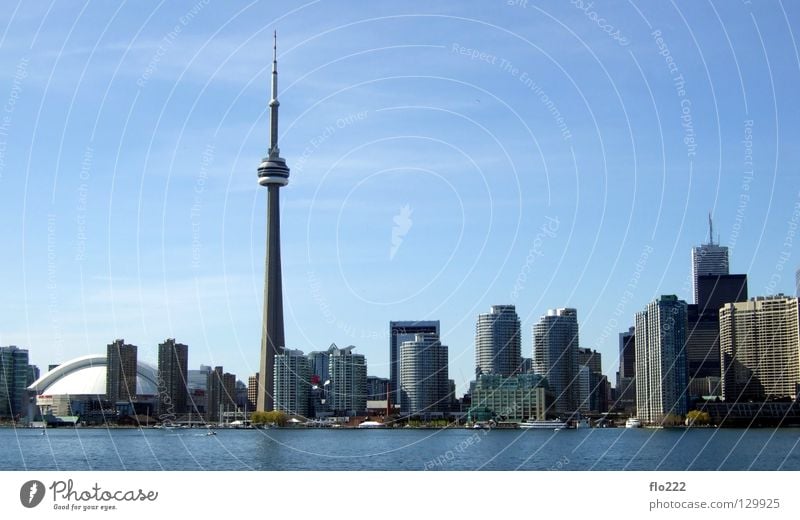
671,419
698,418
277,418
259,418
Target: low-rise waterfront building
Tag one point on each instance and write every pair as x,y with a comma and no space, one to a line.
515,398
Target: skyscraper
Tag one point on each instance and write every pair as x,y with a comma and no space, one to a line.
497,341
228,401
590,358
197,389
14,373
400,331
584,388
377,388
627,353
715,290
292,382
707,259
173,371
760,349
121,360
424,386
318,364
348,387
272,173
242,401
214,394
661,381
702,333
555,357
221,394
252,392
797,282
593,385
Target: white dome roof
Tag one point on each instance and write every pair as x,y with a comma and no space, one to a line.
86,375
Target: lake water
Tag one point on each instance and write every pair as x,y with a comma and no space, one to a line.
453,449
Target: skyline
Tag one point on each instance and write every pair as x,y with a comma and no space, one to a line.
424,174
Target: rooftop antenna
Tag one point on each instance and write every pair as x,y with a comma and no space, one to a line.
710,230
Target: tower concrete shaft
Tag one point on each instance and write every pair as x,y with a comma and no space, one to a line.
272,173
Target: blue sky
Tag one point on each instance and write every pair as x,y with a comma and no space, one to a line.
130,135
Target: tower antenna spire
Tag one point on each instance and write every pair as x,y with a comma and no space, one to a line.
273,102
710,230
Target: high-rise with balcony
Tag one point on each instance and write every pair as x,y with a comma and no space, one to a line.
760,349
661,378
555,357
497,341
400,331
292,382
121,360
14,375
424,387
348,381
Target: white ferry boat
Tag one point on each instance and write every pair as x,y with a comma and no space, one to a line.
633,422
542,424
371,424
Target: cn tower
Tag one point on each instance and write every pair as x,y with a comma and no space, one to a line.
272,173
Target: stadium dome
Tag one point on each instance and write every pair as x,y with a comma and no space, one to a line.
86,375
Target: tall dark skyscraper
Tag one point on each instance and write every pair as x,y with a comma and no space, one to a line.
173,370
590,358
272,173
626,377
715,290
400,331
121,360
627,353
702,333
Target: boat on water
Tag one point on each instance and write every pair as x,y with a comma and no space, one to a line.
633,422
582,423
482,425
371,424
543,424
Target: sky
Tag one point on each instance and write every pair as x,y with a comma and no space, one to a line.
445,157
